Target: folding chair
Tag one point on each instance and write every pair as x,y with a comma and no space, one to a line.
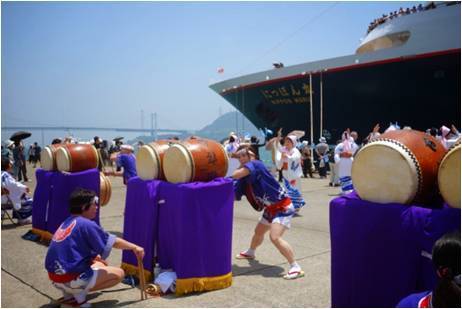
7,206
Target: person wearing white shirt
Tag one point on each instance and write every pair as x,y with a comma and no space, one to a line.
16,193
344,160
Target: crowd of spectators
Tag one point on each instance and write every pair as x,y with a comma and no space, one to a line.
400,12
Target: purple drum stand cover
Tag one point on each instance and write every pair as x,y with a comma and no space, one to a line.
188,226
379,252
140,219
51,196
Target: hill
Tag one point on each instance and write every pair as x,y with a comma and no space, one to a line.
223,125
218,130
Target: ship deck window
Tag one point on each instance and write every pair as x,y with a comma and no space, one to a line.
387,41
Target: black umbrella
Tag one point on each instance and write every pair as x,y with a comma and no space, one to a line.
20,135
118,138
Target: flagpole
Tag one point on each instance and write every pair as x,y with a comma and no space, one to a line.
311,117
321,106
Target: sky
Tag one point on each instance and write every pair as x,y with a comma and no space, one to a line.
100,64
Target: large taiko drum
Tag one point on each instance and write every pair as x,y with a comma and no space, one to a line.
105,189
449,176
76,157
48,157
398,167
149,160
195,159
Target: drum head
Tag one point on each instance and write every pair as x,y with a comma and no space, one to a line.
449,178
46,159
383,172
63,160
147,163
178,164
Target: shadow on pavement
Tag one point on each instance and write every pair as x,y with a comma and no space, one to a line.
255,268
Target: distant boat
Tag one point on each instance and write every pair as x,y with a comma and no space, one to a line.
407,70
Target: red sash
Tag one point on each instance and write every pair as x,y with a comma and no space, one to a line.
62,278
279,206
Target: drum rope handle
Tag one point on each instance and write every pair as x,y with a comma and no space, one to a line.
413,158
141,277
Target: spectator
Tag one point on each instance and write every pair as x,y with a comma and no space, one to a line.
306,160
37,154
254,146
446,293
322,150
334,179
16,193
19,158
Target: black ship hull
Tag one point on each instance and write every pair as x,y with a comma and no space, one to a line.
421,91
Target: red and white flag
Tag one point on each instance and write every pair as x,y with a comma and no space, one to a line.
220,70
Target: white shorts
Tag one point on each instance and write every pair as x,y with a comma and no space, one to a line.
78,287
284,217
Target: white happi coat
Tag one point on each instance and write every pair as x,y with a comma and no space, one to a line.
294,171
15,188
344,164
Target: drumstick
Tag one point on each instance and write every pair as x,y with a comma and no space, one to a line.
141,277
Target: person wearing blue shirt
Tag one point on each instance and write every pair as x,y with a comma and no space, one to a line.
75,259
446,260
126,160
264,193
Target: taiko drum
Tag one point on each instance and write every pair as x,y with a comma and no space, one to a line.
449,176
105,189
149,160
76,157
48,157
195,159
398,167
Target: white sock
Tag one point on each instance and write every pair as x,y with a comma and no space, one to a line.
250,252
81,297
294,267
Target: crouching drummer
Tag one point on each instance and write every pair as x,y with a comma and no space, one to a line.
75,259
261,188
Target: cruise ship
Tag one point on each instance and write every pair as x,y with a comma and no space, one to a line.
407,70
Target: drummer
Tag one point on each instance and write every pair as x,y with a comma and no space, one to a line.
263,189
75,259
125,160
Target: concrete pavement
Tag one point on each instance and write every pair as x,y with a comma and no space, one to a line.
258,283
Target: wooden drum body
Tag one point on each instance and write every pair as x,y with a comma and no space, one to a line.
149,160
398,167
105,189
449,177
195,159
48,157
76,157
